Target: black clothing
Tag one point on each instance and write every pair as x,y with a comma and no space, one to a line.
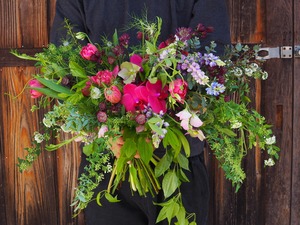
137,210
100,17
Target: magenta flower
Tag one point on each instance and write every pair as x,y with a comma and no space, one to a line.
157,96
90,52
134,97
178,89
35,84
137,60
103,76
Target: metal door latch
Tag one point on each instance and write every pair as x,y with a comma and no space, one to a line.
284,52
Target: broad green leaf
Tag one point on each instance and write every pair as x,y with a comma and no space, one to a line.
170,183
129,148
48,92
163,165
88,149
145,149
184,141
77,70
171,139
183,161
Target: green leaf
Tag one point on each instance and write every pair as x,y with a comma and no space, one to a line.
48,92
98,198
163,165
172,139
88,149
77,70
145,149
170,183
111,198
129,148
183,161
184,141
54,86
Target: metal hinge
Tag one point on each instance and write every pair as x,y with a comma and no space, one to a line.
284,52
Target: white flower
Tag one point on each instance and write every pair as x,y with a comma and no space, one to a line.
38,137
271,140
47,122
265,75
254,67
248,72
269,162
95,93
235,124
238,72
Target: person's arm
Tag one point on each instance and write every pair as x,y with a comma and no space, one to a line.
213,13
67,9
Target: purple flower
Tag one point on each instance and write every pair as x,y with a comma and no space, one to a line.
215,89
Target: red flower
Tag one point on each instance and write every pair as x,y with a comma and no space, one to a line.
86,90
90,52
178,89
35,84
113,94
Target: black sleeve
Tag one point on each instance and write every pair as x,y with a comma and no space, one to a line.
67,9
213,13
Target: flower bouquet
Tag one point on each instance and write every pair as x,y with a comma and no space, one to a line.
125,102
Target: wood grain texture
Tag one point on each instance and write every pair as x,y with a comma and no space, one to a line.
24,23
29,196
295,195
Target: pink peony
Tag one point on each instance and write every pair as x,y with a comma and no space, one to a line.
178,89
113,94
90,52
35,84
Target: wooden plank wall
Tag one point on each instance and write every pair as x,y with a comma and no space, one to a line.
42,194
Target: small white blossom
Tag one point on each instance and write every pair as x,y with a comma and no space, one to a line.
254,67
47,122
269,162
271,140
80,35
38,137
248,72
265,75
95,93
235,124
238,72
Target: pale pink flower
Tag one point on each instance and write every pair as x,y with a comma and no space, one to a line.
103,129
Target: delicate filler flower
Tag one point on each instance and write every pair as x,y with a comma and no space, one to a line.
271,140
38,137
35,84
235,124
95,93
269,162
